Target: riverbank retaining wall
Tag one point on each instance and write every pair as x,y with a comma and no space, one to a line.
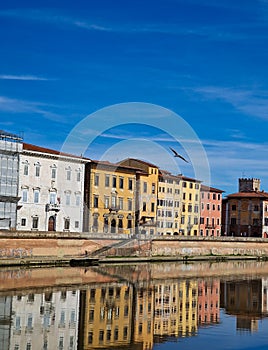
33,245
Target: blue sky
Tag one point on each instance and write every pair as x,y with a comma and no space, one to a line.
204,60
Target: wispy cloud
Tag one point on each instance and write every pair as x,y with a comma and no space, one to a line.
42,16
12,105
21,77
252,102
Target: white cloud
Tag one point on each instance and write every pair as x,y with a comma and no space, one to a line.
21,77
250,101
12,105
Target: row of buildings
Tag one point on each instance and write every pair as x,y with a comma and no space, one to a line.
47,190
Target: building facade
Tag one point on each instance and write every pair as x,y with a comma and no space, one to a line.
246,212
168,204
110,198
211,211
190,211
51,190
10,148
145,195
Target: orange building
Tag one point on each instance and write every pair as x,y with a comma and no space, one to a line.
211,209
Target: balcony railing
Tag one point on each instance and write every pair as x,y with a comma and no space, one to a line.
52,207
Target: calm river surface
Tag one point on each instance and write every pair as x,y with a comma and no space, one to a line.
145,306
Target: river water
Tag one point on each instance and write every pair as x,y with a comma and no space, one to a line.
144,306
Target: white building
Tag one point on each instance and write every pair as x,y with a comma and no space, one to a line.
51,187
45,321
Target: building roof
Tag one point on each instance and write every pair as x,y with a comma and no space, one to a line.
189,179
38,149
140,161
114,166
210,189
253,194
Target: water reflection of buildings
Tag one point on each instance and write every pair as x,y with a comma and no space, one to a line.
45,321
5,321
208,302
106,316
244,300
119,315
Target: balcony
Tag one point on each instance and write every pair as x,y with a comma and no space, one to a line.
52,207
114,209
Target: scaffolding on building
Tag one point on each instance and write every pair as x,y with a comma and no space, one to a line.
10,148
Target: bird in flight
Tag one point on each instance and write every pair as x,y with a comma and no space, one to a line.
176,154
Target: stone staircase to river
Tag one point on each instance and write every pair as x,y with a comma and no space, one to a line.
129,247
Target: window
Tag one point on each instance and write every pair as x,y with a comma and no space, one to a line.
114,181
233,207
256,208
121,182
23,222
96,180
26,169
201,220
130,184
208,206
53,173
144,206
36,196
233,221
121,203
153,188
255,222
76,224
78,176
129,223
30,321
96,201
61,343
184,184
129,204
190,185
66,224
37,169
106,202
113,201
35,222
107,180
52,198
182,220
67,198
152,207
145,187
77,199
25,195
68,174
190,196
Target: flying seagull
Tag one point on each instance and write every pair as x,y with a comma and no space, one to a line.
176,154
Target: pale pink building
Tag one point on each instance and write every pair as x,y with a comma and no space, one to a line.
210,212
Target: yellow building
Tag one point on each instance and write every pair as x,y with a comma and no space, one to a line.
168,204
190,210
176,308
109,198
106,316
146,194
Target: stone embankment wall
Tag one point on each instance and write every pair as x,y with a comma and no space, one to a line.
44,244
208,246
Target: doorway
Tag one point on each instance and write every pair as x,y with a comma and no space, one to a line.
51,223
